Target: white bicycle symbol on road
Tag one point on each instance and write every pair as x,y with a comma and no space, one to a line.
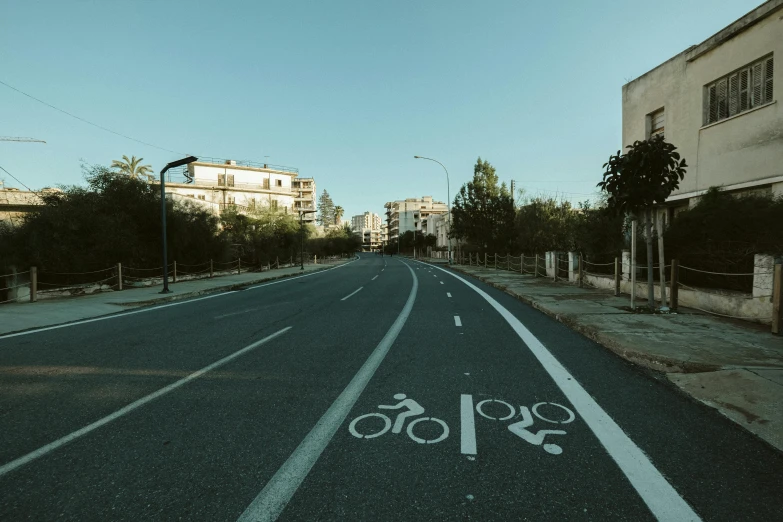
520,428
414,409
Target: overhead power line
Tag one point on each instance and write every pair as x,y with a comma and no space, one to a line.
88,122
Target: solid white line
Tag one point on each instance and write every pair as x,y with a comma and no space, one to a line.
468,433
150,309
457,321
374,278
352,293
448,294
40,452
661,498
268,505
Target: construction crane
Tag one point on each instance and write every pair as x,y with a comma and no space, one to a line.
14,138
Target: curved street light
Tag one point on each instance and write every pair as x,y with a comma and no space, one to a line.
448,201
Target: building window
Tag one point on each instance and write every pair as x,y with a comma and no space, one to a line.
230,180
201,197
279,182
657,123
221,179
739,91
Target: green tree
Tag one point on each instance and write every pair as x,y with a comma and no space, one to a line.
544,224
338,214
483,211
638,180
132,167
325,209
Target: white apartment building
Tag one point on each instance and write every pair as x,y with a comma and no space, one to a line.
368,227
411,214
305,198
242,185
717,102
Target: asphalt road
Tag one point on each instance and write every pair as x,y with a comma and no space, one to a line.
268,403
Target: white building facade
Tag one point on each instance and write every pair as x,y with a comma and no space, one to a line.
412,214
368,227
244,186
305,198
717,102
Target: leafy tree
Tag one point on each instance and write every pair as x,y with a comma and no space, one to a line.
325,209
133,168
639,179
544,224
483,211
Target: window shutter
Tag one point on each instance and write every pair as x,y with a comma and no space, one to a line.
712,109
743,89
733,95
723,106
221,179
757,79
230,180
769,66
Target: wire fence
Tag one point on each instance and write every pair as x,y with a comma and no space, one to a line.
120,276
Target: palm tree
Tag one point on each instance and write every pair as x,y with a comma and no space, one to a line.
338,214
132,168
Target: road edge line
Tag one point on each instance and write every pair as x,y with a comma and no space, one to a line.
655,491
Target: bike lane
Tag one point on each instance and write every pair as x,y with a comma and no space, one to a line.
468,378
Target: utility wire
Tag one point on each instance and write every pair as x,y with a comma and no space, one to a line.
87,121
17,179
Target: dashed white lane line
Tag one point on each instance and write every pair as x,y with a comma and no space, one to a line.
374,278
660,497
448,294
352,293
271,501
457,321
40,452
442,282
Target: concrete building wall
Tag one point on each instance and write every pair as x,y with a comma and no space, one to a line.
740,152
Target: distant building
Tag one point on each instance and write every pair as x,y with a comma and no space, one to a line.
717,103
242,185
305,198
368,227
411,214
15,203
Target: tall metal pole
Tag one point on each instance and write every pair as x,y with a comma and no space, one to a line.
163,221
173,164
448,201
301,236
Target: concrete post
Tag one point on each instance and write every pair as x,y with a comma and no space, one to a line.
485,260
119,276
573,267
210,269
633,264
174,274
33,284
662,262
581,272
777,297
763,268
521,263
616,276
239,265
626,265
535,267
675,289
556,264
315,259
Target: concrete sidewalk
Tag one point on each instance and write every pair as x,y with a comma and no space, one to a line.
16,317
733,366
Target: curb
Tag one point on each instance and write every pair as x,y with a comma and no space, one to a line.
218,289
652,362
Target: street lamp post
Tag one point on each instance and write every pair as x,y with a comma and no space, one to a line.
178,163
301,233
448,201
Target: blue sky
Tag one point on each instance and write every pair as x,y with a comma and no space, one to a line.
347,91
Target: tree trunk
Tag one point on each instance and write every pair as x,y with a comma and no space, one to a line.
650,271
